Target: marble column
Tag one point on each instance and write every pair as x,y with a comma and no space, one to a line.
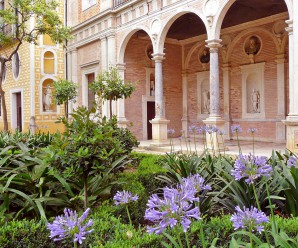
73,76
122,121
226,87
159,123
280,127
104,67
214,118
292,118
184,104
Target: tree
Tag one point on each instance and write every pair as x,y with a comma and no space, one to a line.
16,29
65,91
110,86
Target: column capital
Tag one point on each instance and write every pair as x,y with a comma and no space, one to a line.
158,57
213,45
226,67
184,73
280,59
121,66
289,29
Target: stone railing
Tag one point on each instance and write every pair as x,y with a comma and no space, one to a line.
118,3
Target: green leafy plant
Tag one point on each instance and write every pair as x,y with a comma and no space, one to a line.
110,86
64,92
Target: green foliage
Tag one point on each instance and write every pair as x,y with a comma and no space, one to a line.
90,152
33,141
110,86
27,186
65,91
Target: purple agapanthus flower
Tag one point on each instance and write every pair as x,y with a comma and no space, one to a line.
192,129
171,131
293,162
173,208
221,133
236,129
211,129
251,219
252,130
201,130
251,167
124,197
70,226
194,183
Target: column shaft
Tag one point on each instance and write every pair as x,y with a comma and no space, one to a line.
159,104
184,105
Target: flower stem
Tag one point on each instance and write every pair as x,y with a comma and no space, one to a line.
238,143
187,240
271,209
194,140
202,234
250,238
259,207
178,236
253,144
128,215
75,244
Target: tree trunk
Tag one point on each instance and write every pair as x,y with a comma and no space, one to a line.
4,109
111,113
66,109
85,190
2,94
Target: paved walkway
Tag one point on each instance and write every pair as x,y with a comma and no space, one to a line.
261,148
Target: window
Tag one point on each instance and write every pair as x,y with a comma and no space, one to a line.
49,63
16,65
87,4
91,96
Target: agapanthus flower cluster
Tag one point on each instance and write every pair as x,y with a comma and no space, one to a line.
293,162
192,129
251,167
236,129
171,131
70,226
251,219
194,183
252,130
124,197
201,130
211,129
175,207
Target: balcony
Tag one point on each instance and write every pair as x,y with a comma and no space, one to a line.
118,3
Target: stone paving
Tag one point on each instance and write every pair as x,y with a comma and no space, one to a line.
261,148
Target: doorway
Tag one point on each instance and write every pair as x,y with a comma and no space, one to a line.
150,116
17,111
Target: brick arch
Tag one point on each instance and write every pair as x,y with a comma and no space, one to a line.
168,23
224,9
190,53
126,39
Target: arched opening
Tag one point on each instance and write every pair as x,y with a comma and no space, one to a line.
185,56
255,70
136,53
49,63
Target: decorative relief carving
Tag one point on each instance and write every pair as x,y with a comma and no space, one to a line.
279,29
252,47
210,9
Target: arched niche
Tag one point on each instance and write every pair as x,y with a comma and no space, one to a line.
203,95
48,104
253,90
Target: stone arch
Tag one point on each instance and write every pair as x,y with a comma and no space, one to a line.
127,38
163,34
191,51
224,9
245,32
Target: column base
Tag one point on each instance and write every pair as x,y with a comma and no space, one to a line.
212,140
292,133
159,132
185,125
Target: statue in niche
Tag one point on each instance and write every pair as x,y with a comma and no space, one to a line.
252,45
255,100
152,88
205,57
47,98
206,102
